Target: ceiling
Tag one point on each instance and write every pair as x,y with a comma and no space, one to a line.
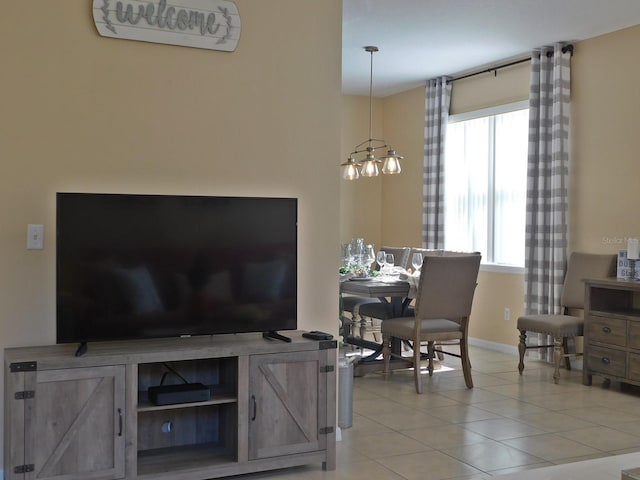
422,39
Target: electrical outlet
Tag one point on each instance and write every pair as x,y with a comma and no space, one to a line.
507,313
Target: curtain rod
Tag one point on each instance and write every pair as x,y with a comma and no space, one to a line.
565,49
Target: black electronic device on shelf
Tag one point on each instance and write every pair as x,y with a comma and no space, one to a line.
180,393
186,392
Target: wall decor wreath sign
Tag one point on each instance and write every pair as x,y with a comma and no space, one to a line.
210,24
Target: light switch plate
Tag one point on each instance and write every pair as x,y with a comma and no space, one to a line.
35,236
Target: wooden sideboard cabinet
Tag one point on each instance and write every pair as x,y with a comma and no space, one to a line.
272,405
612,330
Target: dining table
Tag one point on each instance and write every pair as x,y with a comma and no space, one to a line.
392,290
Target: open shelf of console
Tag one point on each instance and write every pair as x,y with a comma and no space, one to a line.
203,456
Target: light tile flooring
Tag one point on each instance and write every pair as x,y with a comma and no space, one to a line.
506,423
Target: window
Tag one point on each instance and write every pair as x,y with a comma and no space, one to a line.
485,183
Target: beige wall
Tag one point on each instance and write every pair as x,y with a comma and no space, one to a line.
606,142
360,203
85,113
604,171
402,194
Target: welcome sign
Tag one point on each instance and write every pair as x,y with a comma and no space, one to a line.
211,24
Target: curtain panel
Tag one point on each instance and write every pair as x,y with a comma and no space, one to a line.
546,235
438,100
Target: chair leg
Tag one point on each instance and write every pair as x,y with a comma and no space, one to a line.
416,367
386,354
522,348
430,354
565,347
466,363
557,355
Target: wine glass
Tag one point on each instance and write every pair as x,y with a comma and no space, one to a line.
381,258
389,262
369,257
416,261
345,255
357,251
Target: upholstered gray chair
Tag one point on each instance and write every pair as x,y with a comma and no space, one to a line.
442,310
564,326
401,255
376,312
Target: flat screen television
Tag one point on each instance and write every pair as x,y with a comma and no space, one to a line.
149,266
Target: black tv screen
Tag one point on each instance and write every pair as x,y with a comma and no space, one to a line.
146,266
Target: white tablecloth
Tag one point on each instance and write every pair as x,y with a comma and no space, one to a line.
413,278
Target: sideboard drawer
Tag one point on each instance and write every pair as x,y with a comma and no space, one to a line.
634,367
607,361
634,334
612,331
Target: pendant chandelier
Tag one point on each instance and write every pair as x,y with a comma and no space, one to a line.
367,166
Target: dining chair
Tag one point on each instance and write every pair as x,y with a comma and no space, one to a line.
351,305
373,313
442,311
401,255
569,323
439,252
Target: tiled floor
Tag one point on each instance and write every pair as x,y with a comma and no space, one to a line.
507,423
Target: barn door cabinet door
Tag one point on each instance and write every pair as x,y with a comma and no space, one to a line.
286,404
73,421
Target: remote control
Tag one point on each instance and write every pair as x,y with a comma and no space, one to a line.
317,335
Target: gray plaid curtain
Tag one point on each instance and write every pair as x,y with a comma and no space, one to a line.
547,179
436,117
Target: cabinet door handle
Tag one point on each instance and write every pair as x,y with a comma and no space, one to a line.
255,407
606,329
119,422
606,360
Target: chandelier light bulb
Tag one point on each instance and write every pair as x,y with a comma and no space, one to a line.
350,172
391,164
369,168
350,169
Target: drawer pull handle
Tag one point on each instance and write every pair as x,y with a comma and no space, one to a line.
606,360
255,407
606,329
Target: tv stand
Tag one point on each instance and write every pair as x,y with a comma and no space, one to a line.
271,405
276,336
82,349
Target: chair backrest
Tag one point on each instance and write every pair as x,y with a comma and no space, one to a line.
447,285
581,266
400,254
432,252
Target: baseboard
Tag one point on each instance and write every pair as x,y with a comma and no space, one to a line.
495,346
